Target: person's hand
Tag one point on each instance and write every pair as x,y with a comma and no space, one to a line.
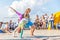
13,9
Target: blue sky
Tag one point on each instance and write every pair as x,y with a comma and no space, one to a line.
48,7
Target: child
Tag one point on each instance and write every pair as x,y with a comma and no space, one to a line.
21,26
26,14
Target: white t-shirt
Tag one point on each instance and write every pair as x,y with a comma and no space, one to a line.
51,18
4,26
46,17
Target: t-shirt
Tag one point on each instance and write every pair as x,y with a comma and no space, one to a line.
11,24
46,18
23,22
3,26
51,18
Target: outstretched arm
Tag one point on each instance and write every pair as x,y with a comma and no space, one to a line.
13,9
16,11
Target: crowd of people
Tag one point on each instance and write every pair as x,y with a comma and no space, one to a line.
24,21
40,23
44,20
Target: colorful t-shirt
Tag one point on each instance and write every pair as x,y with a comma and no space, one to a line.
23,22
29,23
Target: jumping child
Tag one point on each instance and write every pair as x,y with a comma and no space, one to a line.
26,14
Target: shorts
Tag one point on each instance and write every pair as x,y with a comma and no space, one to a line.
27,25
1,31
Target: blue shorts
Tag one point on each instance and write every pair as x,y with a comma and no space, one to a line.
1,31
28,24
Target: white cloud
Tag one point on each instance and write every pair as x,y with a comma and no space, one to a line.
23,4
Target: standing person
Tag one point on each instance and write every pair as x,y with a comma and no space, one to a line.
37,22
26,14
51,20
43,20
46,20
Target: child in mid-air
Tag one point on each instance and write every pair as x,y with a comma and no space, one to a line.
21,26
26,15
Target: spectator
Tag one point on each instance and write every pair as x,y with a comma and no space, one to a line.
46,20
58,25
16,24
1,24
37,22
11,25
43,20
5,28
51,20
41,23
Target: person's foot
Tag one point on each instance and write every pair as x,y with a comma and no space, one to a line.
32,35
15,36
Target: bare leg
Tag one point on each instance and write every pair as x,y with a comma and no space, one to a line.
18,29
32,30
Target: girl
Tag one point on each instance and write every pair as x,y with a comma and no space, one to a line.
26,14
20,26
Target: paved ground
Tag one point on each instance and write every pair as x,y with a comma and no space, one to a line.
38,35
